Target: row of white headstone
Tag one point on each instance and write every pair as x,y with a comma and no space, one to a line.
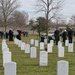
42,44
6,53
61,50
8,64
62,66
33,51
26,47
35,42
51,44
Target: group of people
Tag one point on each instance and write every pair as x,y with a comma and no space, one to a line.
16,34
25,33
10,34
65,35
3,34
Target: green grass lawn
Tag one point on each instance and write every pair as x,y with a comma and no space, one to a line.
28,66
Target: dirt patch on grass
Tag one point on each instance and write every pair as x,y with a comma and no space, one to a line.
10,42
27,41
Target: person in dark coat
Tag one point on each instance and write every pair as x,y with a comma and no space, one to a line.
64,36
50,38
19,34
23,34
10,35
70,35
42,39
1,34
26,33
6,35
56,35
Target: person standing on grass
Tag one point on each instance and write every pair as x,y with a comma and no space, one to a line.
1,34
10,35
26,33
70,35
42,39
7,35
4,34
64,36
19,34
56,35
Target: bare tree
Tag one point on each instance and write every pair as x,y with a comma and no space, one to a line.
19,19
51,8
58,21
1,21
7,7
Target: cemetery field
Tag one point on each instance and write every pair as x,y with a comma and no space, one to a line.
30,66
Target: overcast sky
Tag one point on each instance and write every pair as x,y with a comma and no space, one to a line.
29,6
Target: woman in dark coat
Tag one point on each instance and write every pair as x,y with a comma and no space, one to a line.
19,34
10,35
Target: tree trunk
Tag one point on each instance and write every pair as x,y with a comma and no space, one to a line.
5,28
39,34
47,18
5,25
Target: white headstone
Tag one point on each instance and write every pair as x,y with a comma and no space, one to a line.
52,42
4,46
22,46
32,42
43,58
62,68
41,46
49,48
14,40
33,52
27,48
45,41
70,47
61,52
3,41
19,43
5,50
36,43
6,57
66,42
59,44
10,68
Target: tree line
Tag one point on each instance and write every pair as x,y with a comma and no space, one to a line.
10,16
